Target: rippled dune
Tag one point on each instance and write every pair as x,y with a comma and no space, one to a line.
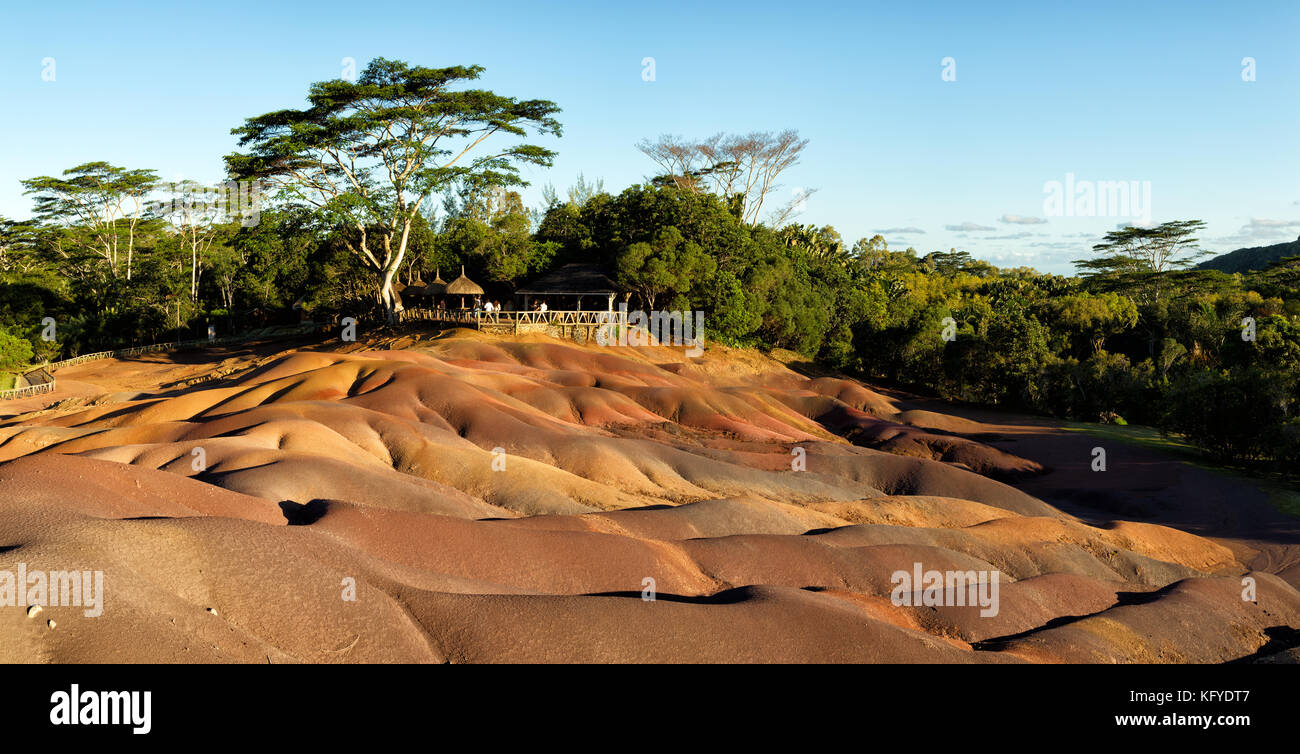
495,499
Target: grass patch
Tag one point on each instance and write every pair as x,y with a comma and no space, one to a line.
1147,437
1285,499
7,380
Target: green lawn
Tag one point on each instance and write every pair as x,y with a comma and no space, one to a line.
1147,437
6,380
1284,499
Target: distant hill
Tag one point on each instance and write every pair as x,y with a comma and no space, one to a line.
1253,258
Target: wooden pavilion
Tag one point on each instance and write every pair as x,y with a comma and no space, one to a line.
566,287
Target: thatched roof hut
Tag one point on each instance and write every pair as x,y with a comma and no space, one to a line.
438,287
463,286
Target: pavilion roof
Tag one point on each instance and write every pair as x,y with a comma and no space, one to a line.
572,280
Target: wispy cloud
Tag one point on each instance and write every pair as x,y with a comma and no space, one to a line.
1259,230
967,227
1021,220
899,231
1263,222
1037,253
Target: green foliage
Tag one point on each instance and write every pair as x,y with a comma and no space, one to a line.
491,234
668,268
1089,318
1241,414
15,352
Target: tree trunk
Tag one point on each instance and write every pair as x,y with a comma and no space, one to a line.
392,304
388,296
130,250
194,267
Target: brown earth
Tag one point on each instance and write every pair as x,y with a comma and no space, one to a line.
473,498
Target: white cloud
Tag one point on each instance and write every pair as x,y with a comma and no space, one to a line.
899,231
967,227
1258,232
1021,220
1263,222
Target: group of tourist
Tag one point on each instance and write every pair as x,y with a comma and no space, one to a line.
494,307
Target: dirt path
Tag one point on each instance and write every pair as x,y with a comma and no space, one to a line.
1139,483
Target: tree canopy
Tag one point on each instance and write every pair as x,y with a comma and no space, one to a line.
369,154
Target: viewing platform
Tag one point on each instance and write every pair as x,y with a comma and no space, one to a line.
579,326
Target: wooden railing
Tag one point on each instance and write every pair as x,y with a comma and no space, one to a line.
26,392
478,317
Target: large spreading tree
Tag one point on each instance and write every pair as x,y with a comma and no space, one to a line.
1139,254
741,168
95,204
368,154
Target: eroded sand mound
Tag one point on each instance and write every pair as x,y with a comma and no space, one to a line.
471,498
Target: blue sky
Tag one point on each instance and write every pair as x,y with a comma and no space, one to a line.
1106,92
